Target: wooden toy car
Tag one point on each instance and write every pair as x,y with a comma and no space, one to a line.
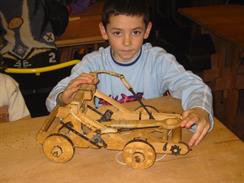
140,133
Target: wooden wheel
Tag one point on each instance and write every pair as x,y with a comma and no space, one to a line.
139,155
58,148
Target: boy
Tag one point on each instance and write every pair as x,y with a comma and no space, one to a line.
12,104
150,70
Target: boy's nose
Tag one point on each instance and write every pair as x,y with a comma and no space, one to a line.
127,40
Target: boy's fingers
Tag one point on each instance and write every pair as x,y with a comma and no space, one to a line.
204,133
200,133
74,85
88,80
199,117
195,137
71,90
81,80
188,120
188,123
89,77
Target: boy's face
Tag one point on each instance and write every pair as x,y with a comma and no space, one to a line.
125,35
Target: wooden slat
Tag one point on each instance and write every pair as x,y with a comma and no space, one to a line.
240,81
4,116
210,75
241,69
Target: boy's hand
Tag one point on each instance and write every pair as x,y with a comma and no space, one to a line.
68,94
199,117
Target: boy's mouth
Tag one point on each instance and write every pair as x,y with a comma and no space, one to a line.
126,51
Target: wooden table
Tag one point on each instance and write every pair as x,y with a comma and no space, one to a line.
226,77
82,31
219,158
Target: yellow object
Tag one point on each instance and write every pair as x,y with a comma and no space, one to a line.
40,70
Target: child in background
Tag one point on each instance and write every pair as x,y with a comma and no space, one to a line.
12,104
150,70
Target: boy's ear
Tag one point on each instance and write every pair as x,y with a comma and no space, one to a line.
103,31
148,30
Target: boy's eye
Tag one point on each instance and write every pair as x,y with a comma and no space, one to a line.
136,32
116,33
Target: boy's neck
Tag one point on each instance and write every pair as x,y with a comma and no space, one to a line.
126,62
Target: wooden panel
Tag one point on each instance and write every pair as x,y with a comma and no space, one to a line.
83,27
240,81
225,21
4,116
210,75
241,69
81,31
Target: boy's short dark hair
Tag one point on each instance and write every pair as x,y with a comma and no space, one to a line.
125,7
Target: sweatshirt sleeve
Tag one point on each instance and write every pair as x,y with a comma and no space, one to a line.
186,86
81,67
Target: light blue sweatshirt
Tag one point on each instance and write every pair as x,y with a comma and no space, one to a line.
152,72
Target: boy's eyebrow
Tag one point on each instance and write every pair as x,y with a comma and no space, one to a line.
138,28
116,28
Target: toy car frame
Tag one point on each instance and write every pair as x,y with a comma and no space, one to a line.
140,133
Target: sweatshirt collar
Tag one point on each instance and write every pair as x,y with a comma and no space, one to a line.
133,61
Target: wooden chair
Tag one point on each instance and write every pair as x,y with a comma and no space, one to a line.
4,114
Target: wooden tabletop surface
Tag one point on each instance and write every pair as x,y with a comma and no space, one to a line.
83,28
219,158
81,31
225,21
